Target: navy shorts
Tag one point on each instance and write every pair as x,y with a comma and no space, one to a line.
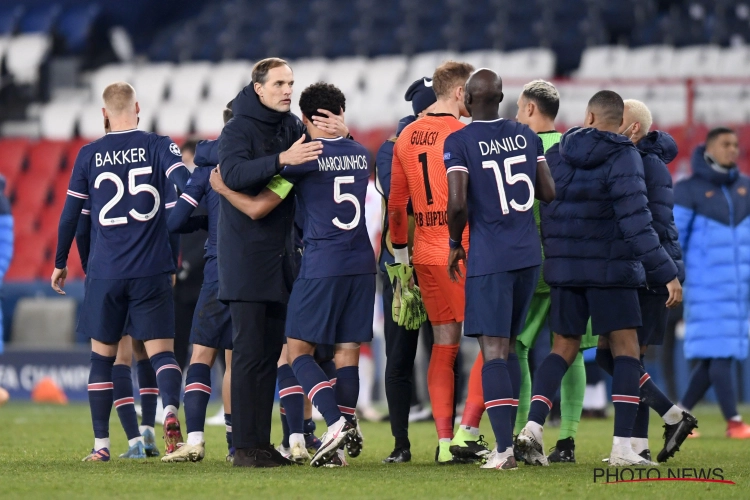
332,310
212,323
496,304
655,316
107,303
610,309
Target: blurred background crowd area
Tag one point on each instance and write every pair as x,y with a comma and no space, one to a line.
688,60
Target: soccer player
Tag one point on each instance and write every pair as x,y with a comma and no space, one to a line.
418,175
598,240
657,149
130,266
211,333
505,247
537,107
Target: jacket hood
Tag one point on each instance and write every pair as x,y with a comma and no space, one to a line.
404,122
702,169
589,147
248,104
207,154
660,144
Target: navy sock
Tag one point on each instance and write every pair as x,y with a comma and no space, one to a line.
122,383
547,381
640,428
197,394
100,393
149,392
652,396
347,390
720,372
514,371
168,377
605,360
284,425
309,426
700,381
293,398
498,400
329,368
318,388
228,424
625,394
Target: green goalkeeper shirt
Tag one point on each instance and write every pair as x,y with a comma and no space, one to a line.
549,139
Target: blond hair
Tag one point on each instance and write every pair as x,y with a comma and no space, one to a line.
449,75
119,97
640,113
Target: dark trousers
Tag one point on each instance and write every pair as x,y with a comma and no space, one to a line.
258,336
400,351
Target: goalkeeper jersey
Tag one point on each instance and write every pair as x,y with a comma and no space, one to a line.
549,139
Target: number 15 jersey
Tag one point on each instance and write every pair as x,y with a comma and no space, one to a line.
500,157
126,176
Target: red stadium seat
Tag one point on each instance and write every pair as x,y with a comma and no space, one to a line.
46,157
12,155
31,193
29,254
73,148
24,222
75,271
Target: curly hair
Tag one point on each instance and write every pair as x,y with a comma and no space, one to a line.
321,95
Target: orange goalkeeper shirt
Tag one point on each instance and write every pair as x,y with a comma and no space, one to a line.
418,173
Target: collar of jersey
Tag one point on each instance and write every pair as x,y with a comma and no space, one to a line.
122,131
329,138
486,121
441,114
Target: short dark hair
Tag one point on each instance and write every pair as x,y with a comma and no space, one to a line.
262,67
228,114
714,133
321,96
544,95
189,145
449,75
611,105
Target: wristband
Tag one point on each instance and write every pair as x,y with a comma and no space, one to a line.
453,244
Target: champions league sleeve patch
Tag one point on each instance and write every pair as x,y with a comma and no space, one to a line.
447,156
175,149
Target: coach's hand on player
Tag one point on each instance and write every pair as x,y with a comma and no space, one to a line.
675,293
301,152
217,183
58,280
331,124
454,259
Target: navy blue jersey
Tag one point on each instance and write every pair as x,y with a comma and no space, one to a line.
500,157
128,177
198,190
331,194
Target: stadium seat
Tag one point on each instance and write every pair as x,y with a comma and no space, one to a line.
75,26
31,193
209,119
695,61
175,119
71,152
150,82
530,63
46,158
91,122
346,73
9,16
24,222
57,120
14,155
424,64
651,61
227,79
105,75
605,61
734,62
25,55
39,19
29,254
188,82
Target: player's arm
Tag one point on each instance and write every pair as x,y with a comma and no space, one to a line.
397,215
255,207
171,159
545,185
83,236
66,229
180,220
458,210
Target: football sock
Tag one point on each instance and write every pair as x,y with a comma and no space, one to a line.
100,395
720,372
498,394
572,389
700,381
293,398
122,393
546,383
514,372
440,384
318,387
309,426
625,394
347,390
197,394
329,368
228,424
524,394
284,425
474,408
168,378
149,391
605,360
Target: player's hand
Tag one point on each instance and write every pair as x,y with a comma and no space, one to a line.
174,280
675,293
58,280
301,152
217,183
331,124
454,258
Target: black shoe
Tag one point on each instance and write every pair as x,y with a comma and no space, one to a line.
276,456
646,454
563,452
474,450
675,435
398,456
520,455
253,457
453,461
354,441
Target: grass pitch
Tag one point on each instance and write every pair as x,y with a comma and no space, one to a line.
41,448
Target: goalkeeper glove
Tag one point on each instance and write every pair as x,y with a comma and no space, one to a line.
408,309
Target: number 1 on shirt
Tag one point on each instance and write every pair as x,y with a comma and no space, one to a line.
426,174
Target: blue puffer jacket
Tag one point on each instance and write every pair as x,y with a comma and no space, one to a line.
711,212
657,149
6,243
597,232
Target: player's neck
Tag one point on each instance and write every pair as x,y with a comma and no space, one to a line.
122,125
543,125
484,115
315,133
446,106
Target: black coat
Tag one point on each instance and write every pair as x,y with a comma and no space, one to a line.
255,257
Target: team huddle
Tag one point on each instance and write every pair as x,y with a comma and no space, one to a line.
492,230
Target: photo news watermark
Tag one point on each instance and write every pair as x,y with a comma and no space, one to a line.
612,475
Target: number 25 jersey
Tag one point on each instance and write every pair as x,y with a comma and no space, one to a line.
126,177
500,157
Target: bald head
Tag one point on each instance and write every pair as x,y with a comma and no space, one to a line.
605,111
484,93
